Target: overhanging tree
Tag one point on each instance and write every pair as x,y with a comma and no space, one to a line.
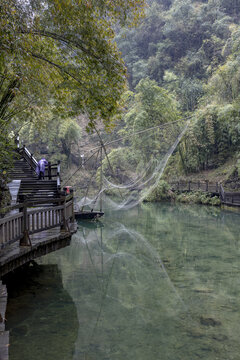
51,45
60,54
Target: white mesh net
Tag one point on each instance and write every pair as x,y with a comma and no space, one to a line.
130,166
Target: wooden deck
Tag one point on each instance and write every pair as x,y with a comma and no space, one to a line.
40,220
12,256
27,231
42,243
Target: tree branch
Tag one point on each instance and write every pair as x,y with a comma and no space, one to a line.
37,56
63,39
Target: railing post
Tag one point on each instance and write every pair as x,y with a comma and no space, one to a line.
58,174
49,171
82,158
17,141
1,235
73,215
198,184
222,194
31,159
206,185
24,241
64,221
189,186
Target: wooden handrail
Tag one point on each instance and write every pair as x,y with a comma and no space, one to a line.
33,203
26,222
205,186
227,198
29,157
34,163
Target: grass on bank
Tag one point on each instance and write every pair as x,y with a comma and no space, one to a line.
163,192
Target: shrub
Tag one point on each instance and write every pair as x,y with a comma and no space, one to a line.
198,198
159,192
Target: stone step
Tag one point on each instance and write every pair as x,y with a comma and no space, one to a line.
31,187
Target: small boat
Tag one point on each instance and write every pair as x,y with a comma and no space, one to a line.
88,215
88,224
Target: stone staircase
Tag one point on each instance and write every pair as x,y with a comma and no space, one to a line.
31,188
22,170
36,189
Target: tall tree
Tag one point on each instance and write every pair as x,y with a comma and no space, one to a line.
52,46
61,54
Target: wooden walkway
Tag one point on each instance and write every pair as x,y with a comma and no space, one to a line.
204,186
12,256
40,220
214,188
26,234
42,243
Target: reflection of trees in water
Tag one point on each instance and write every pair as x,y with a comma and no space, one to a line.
144,289
41,315
126,303
134,300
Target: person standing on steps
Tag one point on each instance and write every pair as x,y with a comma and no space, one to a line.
41,168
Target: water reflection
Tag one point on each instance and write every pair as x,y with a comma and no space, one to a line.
155,282
41,315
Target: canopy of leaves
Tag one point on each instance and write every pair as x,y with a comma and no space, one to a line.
150,107
183,37
63,50
191,48
58,59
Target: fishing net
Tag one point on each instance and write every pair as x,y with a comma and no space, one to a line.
128,167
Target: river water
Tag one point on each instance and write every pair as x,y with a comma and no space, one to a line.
157,282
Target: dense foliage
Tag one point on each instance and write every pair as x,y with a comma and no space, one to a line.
58,59
191,48
145,137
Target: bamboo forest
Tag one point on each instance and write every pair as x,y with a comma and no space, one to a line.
119,179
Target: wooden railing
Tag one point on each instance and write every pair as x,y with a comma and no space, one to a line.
226,197
52,171
11,229
28,157
229,198
206,186
27,221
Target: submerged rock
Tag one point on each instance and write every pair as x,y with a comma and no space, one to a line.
208,321
196,333
220,337
203,290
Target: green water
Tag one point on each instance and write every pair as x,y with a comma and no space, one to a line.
158,282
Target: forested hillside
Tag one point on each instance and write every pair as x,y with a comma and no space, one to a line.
191,48
182,62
